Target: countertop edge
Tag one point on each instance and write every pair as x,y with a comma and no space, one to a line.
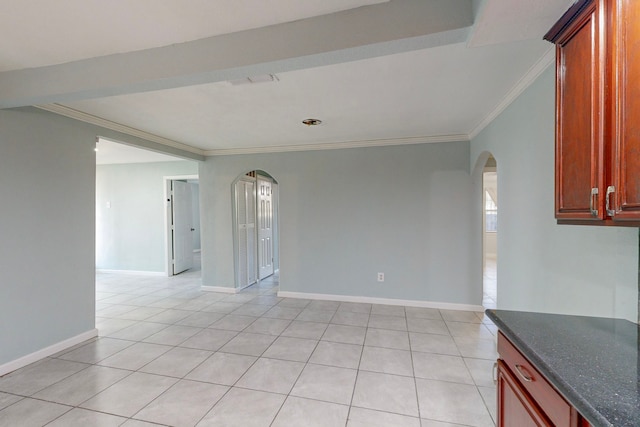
592,415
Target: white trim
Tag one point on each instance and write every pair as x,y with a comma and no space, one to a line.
339,145
133,272
530,76
386,301
46,352
222,289
108,124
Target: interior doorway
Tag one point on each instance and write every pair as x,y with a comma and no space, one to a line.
255,227
182,219
131,208
490,232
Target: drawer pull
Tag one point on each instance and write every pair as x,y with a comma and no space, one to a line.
523,373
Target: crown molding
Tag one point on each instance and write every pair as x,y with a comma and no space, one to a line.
339,145
108,124
530,76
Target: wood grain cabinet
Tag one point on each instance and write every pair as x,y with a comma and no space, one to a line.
525,397
598,113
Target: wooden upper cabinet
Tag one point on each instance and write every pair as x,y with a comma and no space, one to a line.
598,113
579,114
625,46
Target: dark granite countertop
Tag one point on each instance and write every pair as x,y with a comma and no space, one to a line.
592,361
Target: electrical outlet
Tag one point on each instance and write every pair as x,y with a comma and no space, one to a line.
380,277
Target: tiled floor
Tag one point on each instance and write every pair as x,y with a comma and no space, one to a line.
490,283
171,354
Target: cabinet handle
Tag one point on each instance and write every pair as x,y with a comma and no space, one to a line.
594,193
523,373
610,190
495,373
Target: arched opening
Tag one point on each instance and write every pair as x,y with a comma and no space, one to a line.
489,232
255,220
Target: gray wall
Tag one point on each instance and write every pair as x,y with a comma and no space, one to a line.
47,249
130,235
47,290
543,266
347,214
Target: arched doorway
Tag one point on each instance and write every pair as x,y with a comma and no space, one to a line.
489,232
255,217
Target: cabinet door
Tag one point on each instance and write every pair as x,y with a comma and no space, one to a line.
625,44
580,117
515,406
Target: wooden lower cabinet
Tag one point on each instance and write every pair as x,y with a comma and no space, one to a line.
515,406
525,397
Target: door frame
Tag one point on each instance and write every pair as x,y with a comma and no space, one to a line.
168,236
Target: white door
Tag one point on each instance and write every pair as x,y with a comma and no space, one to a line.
265,229
182,229
245,212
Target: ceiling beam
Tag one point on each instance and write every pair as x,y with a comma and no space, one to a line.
370,31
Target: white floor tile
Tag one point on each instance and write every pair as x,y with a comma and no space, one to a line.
249,344
177,362
345,334
135,356
222,368
246,408
97,350
276,376
209,339
130,395
337,354
39,375
82,417
184,404
441,367
7,399
386,338
384,392
396,323
453,403
326,383
293,349
310,413
359,417
31,413
432,343
83,385
310,330
386,361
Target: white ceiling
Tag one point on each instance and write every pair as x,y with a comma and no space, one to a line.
436,77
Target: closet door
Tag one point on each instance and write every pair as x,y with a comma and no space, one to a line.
265,229
250,195
245,212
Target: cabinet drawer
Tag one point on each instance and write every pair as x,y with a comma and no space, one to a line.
555,407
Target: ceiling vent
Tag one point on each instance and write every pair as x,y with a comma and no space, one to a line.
263,78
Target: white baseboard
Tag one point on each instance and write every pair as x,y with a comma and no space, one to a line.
219,289
133,272
386,301
46,352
